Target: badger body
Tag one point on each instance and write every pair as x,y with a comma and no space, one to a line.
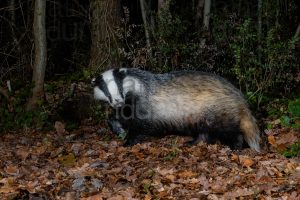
202,105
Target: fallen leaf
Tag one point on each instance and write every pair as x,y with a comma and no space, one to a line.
287,139
7,190
247,163
94,197
239,192
234,158
67,160
59,127
12,170
22,153
164,172
272,140
78,184
187,174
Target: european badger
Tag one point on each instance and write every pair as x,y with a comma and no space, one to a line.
202,105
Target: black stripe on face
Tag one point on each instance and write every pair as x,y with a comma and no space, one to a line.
119,80
103,86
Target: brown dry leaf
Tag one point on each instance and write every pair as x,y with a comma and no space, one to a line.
239,192
94,197
291,167
116,197
127,194
235,158
170,177
247,163
7,190
40,150
70,196
262,176
164,172
79,171
22,152
272,140
12,170
59,127
187,174
67,160
204,181
32,186
219,186
147,197
288,138
7,185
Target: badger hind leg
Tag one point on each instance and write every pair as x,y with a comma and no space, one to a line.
250,130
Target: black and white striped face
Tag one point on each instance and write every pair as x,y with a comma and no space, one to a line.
108,87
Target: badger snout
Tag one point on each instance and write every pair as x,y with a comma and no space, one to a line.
117,103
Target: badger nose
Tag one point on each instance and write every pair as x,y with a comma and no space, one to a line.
118,103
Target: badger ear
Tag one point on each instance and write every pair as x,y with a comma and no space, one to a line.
120,73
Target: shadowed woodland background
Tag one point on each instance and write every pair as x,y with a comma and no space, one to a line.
48,49
54,142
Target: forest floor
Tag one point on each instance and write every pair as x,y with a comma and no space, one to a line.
90,163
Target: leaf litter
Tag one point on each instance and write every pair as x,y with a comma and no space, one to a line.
83,164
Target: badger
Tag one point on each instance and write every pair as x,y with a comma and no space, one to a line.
202,105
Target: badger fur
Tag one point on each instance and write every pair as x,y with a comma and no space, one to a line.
202,105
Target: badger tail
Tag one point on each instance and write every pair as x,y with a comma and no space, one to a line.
251,131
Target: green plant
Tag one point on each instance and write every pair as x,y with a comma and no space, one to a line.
147,187
173,153
259,70
292,119
293,150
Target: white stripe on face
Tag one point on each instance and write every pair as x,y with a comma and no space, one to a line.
112,87
99,94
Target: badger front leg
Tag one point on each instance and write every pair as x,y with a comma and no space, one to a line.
204,137
134,136
138,130
116,127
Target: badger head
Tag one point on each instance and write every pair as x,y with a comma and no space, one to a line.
108,87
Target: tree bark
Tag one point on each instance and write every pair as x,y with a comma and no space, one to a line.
146,27
206,14
12,5
104,48
199,14
297,31
259,28
40,57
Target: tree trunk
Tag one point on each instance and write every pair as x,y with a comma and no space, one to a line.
259,28
206,14
40,57
297,31
199,14
12,5
146,27
104,48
